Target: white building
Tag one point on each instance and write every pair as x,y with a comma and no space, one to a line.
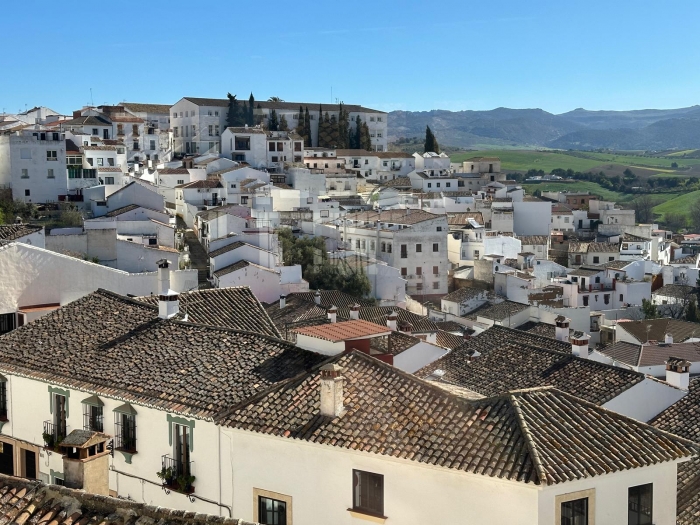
266,150
412,240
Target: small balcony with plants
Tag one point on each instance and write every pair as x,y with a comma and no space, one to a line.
53,434
176,475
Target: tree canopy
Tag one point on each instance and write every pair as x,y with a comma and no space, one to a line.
431,143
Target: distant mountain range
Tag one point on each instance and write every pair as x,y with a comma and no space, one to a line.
646,129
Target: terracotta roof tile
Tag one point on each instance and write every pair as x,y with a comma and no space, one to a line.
343,330
11,232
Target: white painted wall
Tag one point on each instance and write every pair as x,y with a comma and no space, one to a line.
264,283
418,356
645,400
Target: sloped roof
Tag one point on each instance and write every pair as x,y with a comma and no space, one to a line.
12,232
342,331
106,344
234,307
332,298
461,219
528,436
533,240
137,107
207,183
500,311
651,354
398,182
378,314
229,247
511,359
24,501
464,294
675,290
658,328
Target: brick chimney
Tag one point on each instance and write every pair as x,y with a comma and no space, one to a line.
317,297
168,300
355,312
332,314
283,301
678,372
579,344
331,390
391,320
562,328
86,461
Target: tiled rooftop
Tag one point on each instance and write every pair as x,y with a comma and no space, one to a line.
500,311
511,359
378,314
461,219
332,298
235,307
528,436
678,291
651,354
109,345
11,232
658,328
24,501
465,294
408,216
342,331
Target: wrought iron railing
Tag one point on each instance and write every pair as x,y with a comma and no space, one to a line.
125,436
54,433
177,474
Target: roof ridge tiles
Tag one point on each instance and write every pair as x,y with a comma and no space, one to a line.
525,429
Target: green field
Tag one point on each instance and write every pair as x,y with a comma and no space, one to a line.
579,185
522,161
680,204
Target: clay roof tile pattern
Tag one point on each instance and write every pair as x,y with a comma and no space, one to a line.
343,331
11,232
511,359
24,501
658,328
110,345
529,436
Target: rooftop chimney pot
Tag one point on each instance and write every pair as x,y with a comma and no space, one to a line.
355,311
391,321
332,314
168,300
331,390
317,297
678,372
668,339
283,301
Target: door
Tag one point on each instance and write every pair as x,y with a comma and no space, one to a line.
181,451
59,416
7,460
29,460
105,134
580,223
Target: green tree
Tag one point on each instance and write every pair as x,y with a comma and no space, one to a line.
343,127
692,314
2,216
275,99
71,217
319,130
300,123
674,165
325,132
273,123
365,140
235,117
694,216
357,135
284,126
307,128
250,120
674,221
649,309
430,144
335,133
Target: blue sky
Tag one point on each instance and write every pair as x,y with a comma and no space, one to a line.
412,55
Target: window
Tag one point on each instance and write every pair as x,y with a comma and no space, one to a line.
388,248
357,244
364,244
242,143
419,286
640,504
436,285
280,146
447,184
272,511
575,512
95,131
404,251
404,272
216,113
379,119
371,119
596,259
419,248
436,270
476,254
622,297
100,162
209,113
611,258
50,175
436,247
244,199
51,155
439,228
25,173
606,298
438,184
270,146
371,245
3,399
585,300
419,270
180,181
379,134
216,130
383,248
93,419
297,147
430,185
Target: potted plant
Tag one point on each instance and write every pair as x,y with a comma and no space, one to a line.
48,439
165,474
184,482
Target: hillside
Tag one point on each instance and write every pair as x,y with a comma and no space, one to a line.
581,129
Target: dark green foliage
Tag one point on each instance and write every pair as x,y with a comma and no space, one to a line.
674,220
300,124
343,127
356,136
320,126
335,133
674,165
237,113
250,119
284,126
307,128
431,143
325,132
692,314
273,123
365,140
649,309
311,254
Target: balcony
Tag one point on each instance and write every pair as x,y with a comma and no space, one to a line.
136,147
177,475
125,437
54,433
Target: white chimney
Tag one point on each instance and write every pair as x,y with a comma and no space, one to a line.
579,344
331,390
678,372
407,328
332,314
283,301
317,297
562,328
668,339
391,321
355,311
168,300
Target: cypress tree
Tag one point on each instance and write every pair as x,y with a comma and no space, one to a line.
272,123
343,127
334,133
307,128
320,126
231,116
430,143
357,139
250,118
365,140
283,123
300,123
